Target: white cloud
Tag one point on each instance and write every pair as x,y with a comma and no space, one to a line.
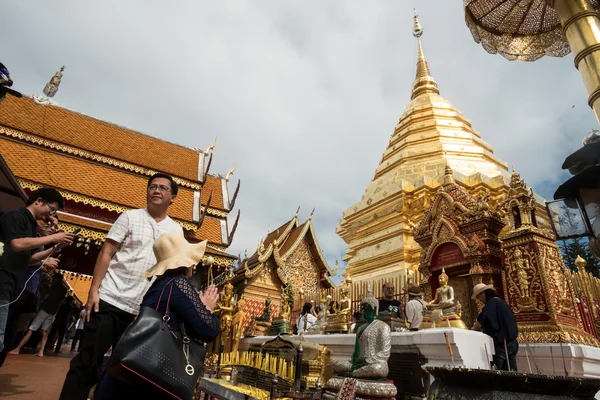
302,95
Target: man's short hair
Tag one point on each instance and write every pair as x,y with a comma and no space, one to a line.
387,283
48,195
174,185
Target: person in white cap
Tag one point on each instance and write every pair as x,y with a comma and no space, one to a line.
172,289
498,321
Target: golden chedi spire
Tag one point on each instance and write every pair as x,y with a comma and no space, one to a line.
424,82
52,87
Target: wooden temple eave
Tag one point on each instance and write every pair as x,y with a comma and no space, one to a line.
84,154
66,126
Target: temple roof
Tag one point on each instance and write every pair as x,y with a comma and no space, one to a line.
280,244
11,194
69,127
102,170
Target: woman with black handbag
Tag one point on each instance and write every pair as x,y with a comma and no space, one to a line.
161,354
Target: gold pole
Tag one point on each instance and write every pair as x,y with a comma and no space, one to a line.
581,25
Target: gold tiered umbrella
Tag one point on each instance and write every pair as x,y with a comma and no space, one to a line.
529,29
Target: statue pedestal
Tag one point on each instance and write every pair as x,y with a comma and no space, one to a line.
257,328
391,319
413,350
279,327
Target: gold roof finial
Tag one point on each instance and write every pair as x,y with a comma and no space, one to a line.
424,82
52,87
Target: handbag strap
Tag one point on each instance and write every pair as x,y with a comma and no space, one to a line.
166,316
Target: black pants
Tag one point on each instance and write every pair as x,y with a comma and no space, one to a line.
57,335
104,329
76,339
500,358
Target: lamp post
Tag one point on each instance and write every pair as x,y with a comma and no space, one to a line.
575,210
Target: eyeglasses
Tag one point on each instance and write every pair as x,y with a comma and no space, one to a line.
51,207
160,188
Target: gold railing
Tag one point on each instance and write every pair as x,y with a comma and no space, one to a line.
587,291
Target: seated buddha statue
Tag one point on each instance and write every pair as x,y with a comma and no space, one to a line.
369,363
340,321
444,295
372,347
443,309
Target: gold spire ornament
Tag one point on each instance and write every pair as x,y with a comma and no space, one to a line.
52,87
424,82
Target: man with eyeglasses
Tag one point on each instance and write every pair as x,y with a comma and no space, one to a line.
119,285
18,232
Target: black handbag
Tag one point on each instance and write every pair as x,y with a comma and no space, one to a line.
150,353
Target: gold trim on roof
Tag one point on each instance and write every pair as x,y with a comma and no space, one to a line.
78,198
91,156
84,232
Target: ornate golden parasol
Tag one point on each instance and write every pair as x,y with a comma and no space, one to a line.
529,29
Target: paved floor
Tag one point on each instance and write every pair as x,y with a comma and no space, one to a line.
26,377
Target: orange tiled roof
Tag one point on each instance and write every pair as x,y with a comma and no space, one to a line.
210,230
69,127
78,176
93,180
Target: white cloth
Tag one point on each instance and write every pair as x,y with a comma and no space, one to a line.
79,324
414,312
310,321
136,231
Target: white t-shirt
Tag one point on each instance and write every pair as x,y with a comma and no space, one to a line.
311,319
124,284
414,312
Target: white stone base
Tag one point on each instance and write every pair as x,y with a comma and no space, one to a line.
469,348
579,360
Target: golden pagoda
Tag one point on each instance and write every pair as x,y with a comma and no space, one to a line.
430,135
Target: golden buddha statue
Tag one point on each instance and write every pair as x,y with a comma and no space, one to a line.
444,295
224,310
443,307
342,319
281,324
237,323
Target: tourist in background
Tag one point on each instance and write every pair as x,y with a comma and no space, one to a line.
307,318
119,284
498,321
414,307
78,331
18,233
175,258
45,317
59,327
388,303
357,316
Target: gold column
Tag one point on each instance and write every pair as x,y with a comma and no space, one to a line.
581,25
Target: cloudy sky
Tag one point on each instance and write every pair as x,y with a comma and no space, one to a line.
302,95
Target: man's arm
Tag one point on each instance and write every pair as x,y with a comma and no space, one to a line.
29,243
38,257
106,254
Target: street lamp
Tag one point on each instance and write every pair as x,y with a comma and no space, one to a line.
575,210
